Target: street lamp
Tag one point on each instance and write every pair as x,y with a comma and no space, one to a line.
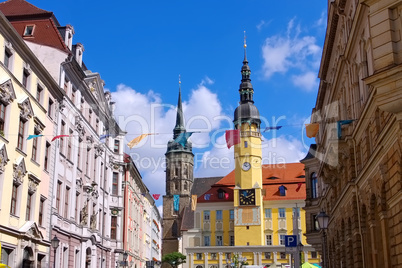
323,220
299,251
55,244
125,256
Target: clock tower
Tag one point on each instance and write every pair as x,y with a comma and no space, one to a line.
179,182
248,199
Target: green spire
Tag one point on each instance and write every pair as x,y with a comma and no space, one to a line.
179,128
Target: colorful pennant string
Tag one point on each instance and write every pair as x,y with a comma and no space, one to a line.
102,137
193,202
232,137
136,140
299,185
207,196
156,196
272,128
33,136
60,136
312,129
183,137
340,123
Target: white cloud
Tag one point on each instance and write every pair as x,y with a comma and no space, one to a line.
219,161
291,51
139,113
307,81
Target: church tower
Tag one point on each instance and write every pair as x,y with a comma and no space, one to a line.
179,182
248,199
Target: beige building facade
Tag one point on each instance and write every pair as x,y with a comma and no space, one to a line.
353,172
25,164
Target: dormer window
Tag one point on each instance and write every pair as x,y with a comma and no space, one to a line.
29,30
221,194
282,190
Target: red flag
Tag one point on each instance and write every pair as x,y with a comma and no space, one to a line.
60,136
156,196
226,196
299,185
232,137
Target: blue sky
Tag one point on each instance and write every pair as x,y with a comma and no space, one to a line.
141,47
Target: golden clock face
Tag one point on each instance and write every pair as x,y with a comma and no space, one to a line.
247,197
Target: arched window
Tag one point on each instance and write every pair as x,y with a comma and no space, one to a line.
313,180
185,186
174,229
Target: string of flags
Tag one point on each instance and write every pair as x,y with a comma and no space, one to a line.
232,136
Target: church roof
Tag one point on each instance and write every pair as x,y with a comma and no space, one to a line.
291,175
45,32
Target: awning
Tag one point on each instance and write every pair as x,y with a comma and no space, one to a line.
310,265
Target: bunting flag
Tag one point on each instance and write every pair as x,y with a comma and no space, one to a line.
299,185
340,123
226,195
207,196
102,137
156,196
143,194
312,129
33,136
137,140
60,136
176,200
183,137
272,128
232,137
193,202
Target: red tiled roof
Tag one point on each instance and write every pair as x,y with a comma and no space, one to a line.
20,7
290,175
44,33
21,13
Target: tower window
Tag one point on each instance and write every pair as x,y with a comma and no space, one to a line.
245,144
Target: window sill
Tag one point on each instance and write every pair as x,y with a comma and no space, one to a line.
20,151
34,162
3,139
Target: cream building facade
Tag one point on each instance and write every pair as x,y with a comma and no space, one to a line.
354,170
25,165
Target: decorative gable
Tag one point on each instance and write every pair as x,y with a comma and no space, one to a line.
19,171
7,93
26,109
31,231
3,157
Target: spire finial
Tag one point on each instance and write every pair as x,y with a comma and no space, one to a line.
245,46
179,81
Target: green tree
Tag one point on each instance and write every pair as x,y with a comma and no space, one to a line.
174,259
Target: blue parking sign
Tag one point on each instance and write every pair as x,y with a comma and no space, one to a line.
290,241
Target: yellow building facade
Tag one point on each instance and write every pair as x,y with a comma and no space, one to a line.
245,216
25,164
